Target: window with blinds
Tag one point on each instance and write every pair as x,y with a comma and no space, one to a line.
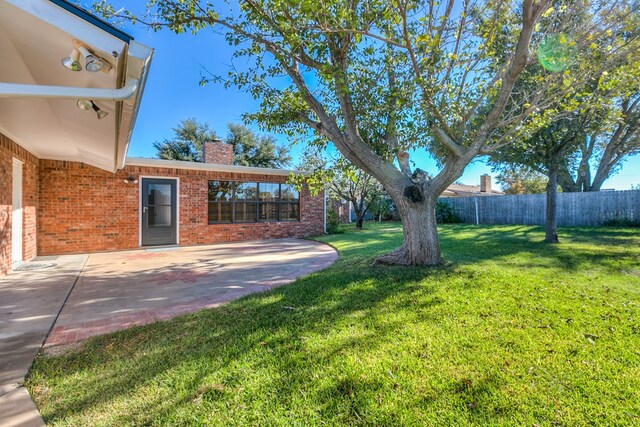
238,202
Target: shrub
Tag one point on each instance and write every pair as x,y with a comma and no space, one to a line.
445,214
333,222
621,222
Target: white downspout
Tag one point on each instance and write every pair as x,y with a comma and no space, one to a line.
324,213
15,90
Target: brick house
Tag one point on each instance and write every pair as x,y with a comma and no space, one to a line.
342,209
66,185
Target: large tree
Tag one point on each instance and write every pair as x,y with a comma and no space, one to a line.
186,143
357,187
546,151
516,179
249,149
381,79
614,135
605,128
341,179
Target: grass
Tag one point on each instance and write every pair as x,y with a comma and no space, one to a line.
511,332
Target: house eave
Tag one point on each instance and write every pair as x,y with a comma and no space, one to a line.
38,95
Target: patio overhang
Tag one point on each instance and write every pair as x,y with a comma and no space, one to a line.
39,95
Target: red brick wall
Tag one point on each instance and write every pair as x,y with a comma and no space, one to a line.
8,151
85,209
342,210
217,152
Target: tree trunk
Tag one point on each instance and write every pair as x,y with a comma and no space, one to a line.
421,245
566,181
551,235
357,207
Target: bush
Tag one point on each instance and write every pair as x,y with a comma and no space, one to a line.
333,222
383,207
445,214
621,222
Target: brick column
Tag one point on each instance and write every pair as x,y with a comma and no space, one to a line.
485,183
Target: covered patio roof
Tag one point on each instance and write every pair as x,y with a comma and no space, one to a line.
39,95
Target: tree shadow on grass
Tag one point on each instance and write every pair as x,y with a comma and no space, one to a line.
580,247
112,367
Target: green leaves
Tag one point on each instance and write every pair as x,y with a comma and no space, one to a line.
186,143
556,53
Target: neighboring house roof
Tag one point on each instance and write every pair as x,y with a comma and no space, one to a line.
179,164
461,190
38,95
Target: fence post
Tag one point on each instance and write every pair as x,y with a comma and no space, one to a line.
475,200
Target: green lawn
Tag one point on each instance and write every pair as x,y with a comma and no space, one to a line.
511,332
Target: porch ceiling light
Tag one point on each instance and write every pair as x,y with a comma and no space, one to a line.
85,104
72,62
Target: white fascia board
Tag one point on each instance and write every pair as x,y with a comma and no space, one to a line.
139,51
178,164
138,65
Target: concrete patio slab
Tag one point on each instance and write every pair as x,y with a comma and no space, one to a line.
118,290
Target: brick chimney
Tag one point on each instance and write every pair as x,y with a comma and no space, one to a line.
485,184
217,152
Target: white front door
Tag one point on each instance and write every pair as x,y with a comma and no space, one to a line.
16,219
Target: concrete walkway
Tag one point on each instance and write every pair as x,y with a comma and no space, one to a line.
116,290
29,304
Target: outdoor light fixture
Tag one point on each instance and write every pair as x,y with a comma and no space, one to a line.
130,180
73,61
93,62
85,104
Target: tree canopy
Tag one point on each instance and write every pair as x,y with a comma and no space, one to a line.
520,180
186,143
613,134
249,149
342,180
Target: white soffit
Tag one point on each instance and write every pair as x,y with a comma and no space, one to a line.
34,37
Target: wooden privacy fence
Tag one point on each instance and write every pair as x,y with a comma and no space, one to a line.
574,209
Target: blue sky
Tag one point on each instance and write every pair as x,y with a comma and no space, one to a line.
173,93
